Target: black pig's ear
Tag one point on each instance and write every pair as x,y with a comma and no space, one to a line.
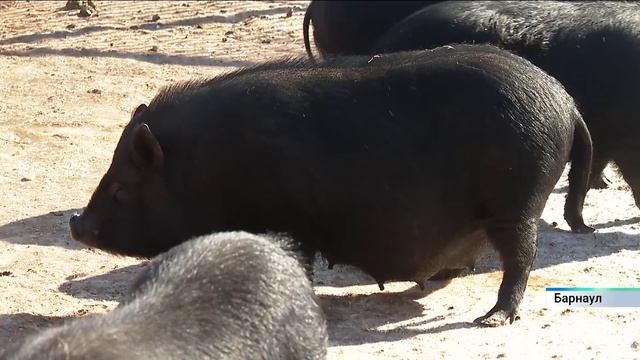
141,109
145,148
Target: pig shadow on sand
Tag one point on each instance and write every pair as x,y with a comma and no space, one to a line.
145,26
50,229
110,286
556,246
154,58
150,57
359,319
14,327
617,222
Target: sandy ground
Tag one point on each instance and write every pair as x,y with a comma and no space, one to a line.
67,87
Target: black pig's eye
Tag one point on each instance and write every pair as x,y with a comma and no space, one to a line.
119,194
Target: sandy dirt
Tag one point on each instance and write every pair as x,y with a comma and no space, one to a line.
69,84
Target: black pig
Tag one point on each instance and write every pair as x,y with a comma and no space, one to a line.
403,164
593,48
221,296
351,27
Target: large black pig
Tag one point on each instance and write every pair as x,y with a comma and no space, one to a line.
221,296
403,164
352,27
593,48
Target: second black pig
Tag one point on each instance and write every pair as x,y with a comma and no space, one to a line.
592,48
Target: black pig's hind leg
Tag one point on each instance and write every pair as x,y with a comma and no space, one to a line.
517,245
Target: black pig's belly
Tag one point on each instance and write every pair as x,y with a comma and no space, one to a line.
417,260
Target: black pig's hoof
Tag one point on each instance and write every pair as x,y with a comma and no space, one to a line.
582,229
577,225
496,318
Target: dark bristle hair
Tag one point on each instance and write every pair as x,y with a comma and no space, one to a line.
172,93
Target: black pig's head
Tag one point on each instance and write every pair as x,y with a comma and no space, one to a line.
132,211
